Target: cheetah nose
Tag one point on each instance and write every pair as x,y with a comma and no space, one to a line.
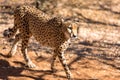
74,36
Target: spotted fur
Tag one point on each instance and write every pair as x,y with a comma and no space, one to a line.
48,31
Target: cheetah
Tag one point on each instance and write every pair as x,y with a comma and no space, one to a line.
48,31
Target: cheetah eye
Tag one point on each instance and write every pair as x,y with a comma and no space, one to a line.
70,27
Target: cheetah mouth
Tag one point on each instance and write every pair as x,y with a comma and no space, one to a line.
74,37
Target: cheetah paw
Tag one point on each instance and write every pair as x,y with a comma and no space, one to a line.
31,65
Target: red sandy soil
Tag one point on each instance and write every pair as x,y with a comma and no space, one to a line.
86,61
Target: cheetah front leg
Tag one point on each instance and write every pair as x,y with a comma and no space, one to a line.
24,52
63,62
14,46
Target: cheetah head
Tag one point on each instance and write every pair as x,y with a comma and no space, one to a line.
73,30
70,29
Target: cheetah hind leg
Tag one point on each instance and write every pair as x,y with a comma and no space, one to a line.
53,61
14,46
24,52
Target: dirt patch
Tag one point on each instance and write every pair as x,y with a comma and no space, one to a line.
96,56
